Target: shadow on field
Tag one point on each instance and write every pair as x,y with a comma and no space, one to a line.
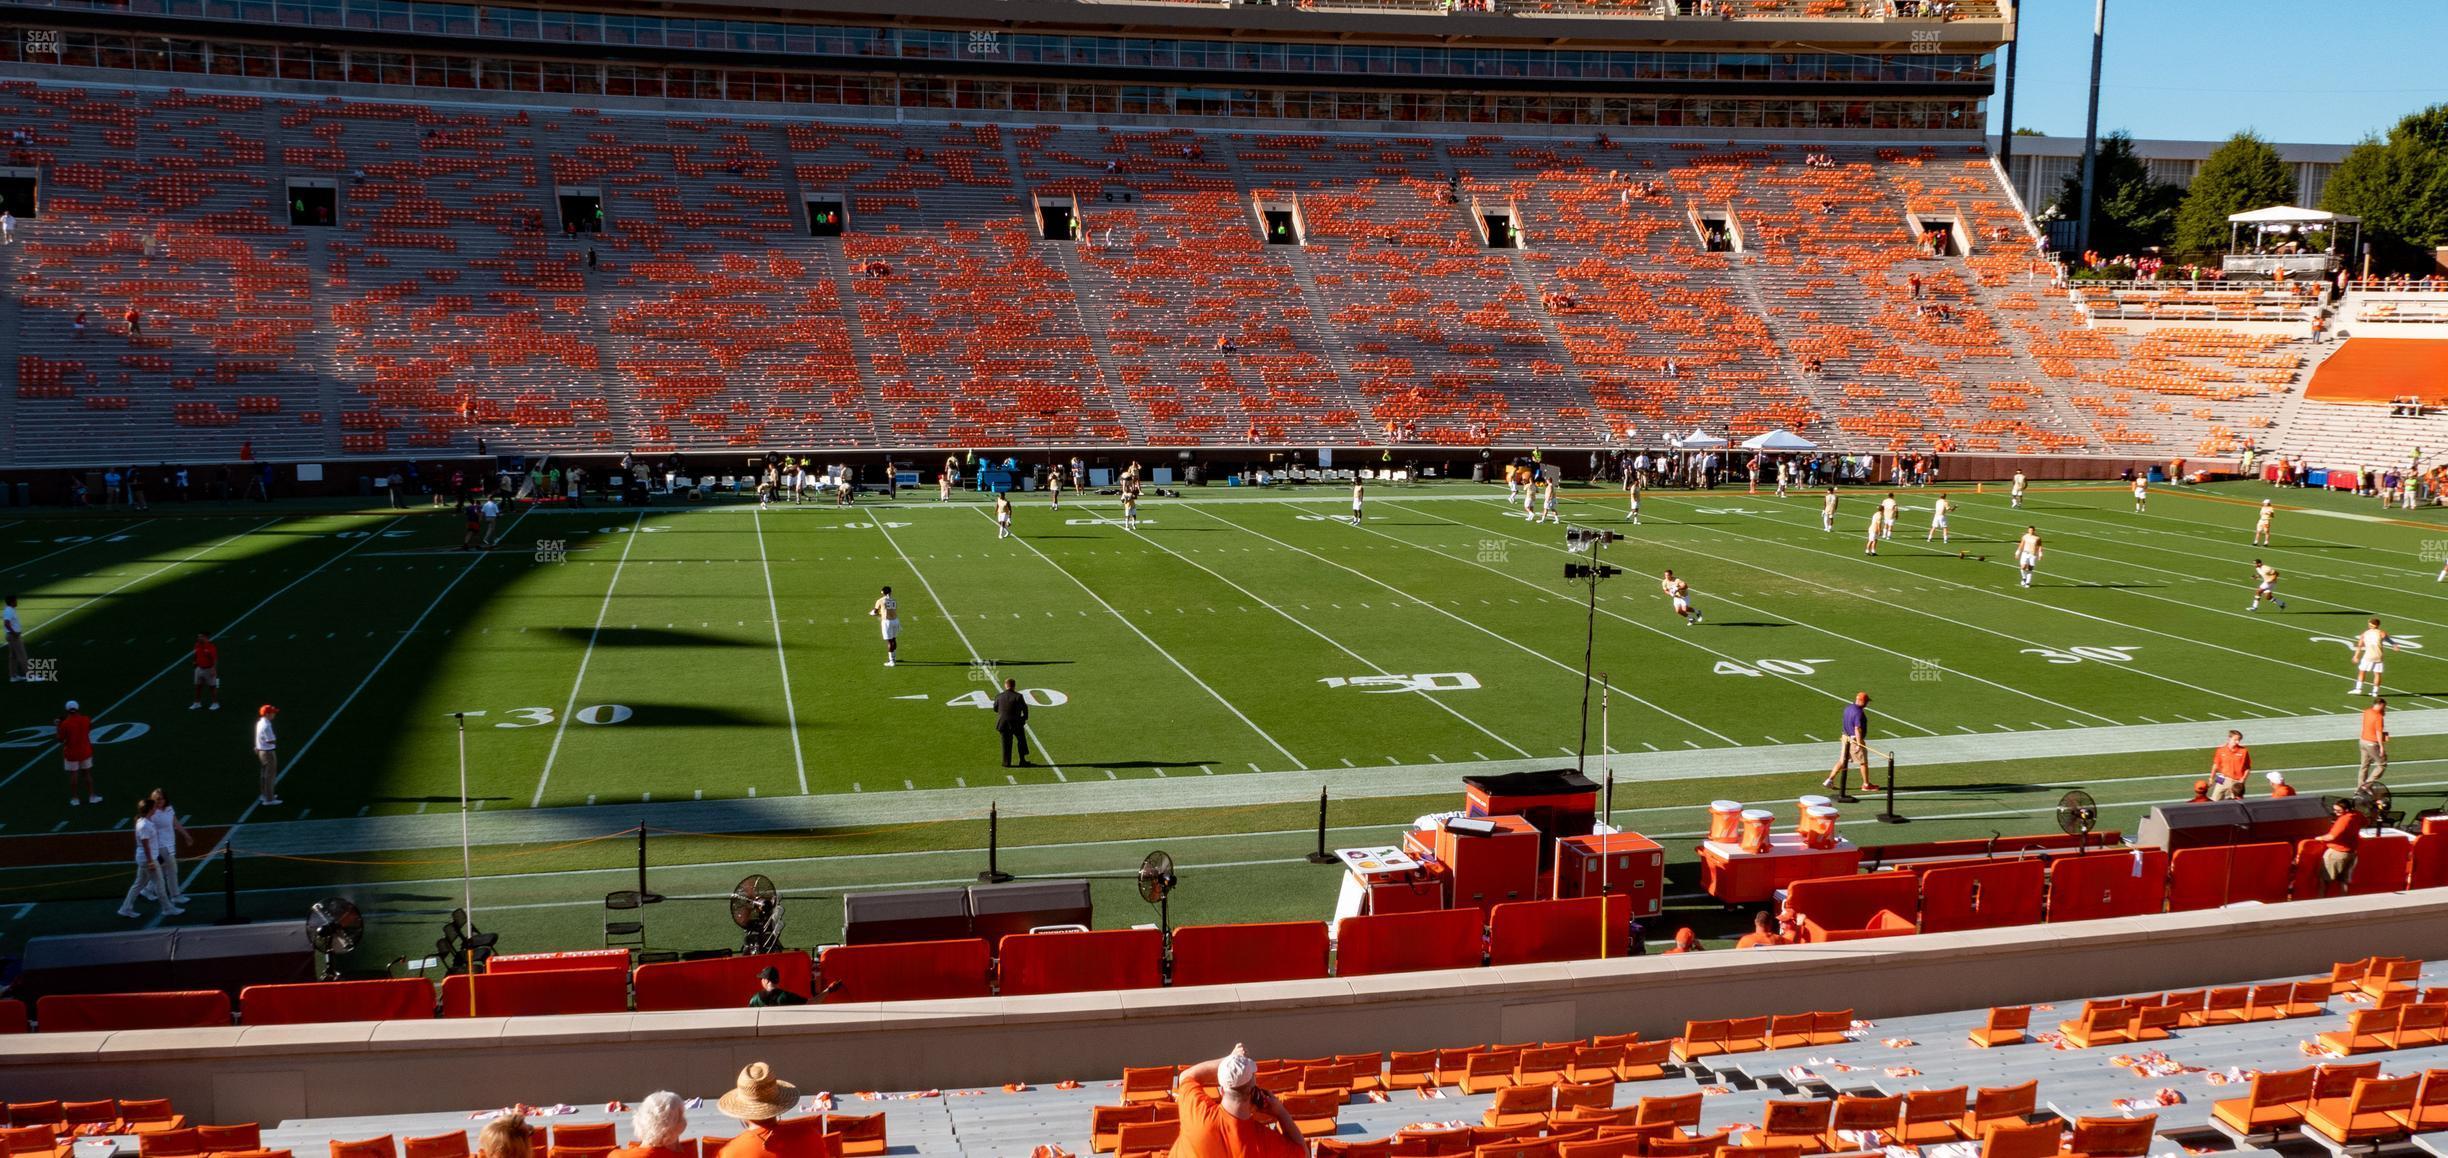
1140,764
2104,586
2327,547
649,637
2339,611
433,799
1977,788
653,715
1750,623
989,663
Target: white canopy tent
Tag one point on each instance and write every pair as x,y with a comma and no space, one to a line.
2289,219
1779,439
1699,440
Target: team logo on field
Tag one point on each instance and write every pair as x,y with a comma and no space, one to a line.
1444,681
552,551
42,671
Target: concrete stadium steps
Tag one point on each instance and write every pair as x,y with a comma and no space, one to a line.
447,307
1887,1057
226,357
720,317
1171,261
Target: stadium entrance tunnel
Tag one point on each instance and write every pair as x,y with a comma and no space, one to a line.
314,201
1717,233
1498,229
1282,228
581,211
1941,236
17,192
1057,220
825,218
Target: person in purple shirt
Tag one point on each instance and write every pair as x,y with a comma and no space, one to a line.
1854,745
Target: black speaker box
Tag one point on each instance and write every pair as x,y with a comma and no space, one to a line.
998,911
904,915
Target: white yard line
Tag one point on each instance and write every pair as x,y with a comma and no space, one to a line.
1576,672
90,541
184,657
1619,616
199,553
975,656
2274,618
773,611
290,760
636,532
1853,640
2134,669
1334,643
1158,648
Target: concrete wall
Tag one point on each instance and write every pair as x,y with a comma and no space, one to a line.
272,1073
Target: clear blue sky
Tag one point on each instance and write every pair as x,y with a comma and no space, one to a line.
2326,73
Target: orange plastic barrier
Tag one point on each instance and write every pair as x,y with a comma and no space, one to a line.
2381,864
613,960
2430,859
1241,954
12,1015
395,999
2206,878
2378,369
1080,962
718,982
90,1012
1850,908
1983,895
1409,942
907,971
2107,884
1520,932
523,994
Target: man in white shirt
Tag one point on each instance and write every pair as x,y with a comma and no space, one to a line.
490,512
14,629
888,609
267,756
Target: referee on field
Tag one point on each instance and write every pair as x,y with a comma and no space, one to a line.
1011,720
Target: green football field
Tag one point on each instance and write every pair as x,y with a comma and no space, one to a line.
711,673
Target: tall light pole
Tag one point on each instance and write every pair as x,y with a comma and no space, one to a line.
2006,120
2090,166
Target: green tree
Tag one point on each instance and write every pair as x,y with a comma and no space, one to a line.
2398,185
2132,213
2244,173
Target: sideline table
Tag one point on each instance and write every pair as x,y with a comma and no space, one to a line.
1737,877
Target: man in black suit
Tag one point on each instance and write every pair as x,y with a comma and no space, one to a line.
1011,719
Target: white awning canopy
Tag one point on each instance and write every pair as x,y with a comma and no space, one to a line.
1699,440
2291,215
1779,439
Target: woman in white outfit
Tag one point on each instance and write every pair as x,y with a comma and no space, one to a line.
148,870
168,837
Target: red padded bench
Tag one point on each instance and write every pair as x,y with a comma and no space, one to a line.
102,1012
1853,908
1410,942
907,971
394,999
717,982
527,994
1246,954
1522,932
1081,962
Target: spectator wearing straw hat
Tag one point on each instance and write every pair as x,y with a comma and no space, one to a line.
759,1100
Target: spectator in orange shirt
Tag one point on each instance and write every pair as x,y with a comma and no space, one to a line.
1685,941
757,1100
658,1123
2229,765
1763,933
2374,748
2279,788
2201,792
1246,1122
2340,843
